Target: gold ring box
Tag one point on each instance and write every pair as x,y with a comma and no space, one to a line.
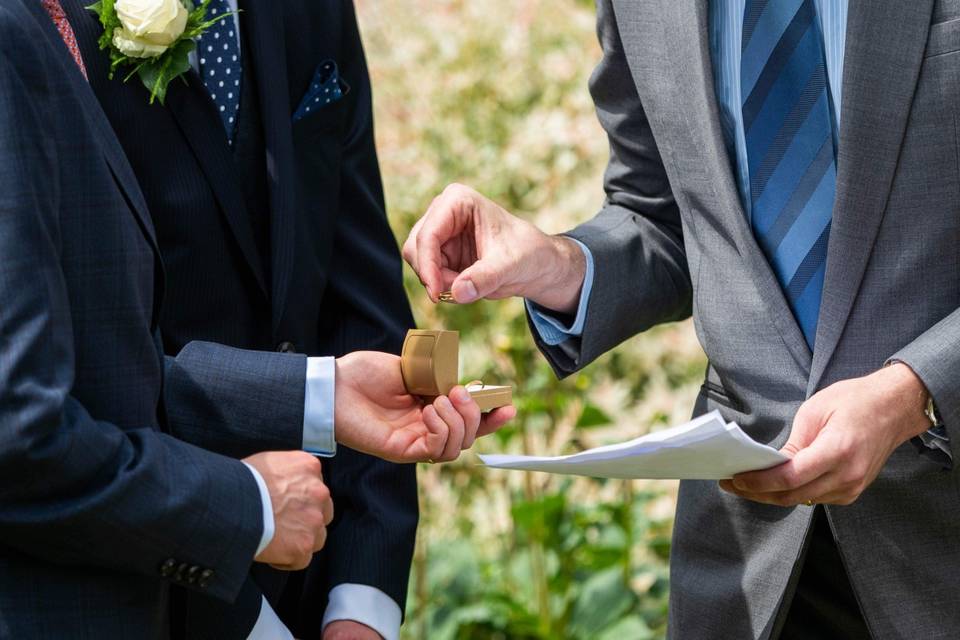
430,363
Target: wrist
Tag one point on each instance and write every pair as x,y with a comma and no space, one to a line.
562,278
912,394
341,426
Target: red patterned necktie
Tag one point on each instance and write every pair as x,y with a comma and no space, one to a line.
59,17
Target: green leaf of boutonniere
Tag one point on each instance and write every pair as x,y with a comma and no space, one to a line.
156,53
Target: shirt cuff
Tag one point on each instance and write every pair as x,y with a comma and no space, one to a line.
269,626
366,605
268,525
553,331
319,437
937,438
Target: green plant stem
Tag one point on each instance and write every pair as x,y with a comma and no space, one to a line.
420,567
628,532
537,563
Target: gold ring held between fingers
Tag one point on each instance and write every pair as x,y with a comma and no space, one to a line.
809,503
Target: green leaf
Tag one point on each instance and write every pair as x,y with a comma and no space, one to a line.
603,600
157,73
632,627
592,416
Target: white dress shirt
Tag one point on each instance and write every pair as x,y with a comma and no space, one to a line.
361,603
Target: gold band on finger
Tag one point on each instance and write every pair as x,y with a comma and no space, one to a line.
809,503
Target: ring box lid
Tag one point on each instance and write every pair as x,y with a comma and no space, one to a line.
430,362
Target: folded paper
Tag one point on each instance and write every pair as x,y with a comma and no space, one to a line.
707,448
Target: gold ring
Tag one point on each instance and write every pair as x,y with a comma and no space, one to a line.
809,503
430,461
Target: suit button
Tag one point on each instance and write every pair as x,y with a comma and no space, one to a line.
205,578
193,574
166,569
286,347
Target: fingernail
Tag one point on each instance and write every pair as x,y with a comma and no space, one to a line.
740,485
445,403
465,292
460,395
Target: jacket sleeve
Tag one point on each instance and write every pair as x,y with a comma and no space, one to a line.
641,274
236,402
75,490
935,357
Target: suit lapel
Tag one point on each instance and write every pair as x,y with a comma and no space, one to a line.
195,114
112,151
670,40
884,52
267,60
191,106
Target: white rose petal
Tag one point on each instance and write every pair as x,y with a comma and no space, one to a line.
150,26
130,45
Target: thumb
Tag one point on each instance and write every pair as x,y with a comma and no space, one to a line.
481,279
807,424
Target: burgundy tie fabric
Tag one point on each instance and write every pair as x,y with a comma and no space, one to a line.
59,17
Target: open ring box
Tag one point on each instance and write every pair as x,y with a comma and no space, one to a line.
430,363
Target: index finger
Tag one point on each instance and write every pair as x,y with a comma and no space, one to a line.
442,223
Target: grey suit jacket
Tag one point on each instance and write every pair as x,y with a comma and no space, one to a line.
672,239
102,507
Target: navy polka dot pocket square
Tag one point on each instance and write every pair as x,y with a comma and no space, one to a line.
326,88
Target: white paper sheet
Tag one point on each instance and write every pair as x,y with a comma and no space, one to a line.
707,448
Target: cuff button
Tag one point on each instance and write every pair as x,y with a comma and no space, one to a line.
205,577
166,569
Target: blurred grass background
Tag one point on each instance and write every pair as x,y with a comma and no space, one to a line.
494,94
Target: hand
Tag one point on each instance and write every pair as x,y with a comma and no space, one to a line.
302,507
841,438
470,246
349,630
374,413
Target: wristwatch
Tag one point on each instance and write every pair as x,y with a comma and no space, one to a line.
931,412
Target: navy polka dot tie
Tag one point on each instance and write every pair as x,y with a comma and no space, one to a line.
219,52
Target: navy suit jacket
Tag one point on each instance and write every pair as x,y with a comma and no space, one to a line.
101,508
305,263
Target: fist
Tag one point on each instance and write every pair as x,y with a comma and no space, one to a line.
302,507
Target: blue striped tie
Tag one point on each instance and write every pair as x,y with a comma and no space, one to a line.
790,151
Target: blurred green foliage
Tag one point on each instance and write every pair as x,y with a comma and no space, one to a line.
494,95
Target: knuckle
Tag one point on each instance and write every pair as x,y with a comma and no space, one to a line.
321,491
313,464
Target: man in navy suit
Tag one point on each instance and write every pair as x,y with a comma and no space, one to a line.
261,176
105,501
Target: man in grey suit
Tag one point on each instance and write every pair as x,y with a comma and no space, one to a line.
104,501
787,172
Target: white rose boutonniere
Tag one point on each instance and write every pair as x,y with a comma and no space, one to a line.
154,37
